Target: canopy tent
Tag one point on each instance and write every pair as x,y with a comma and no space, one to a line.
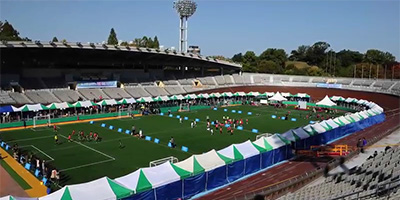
227,94
341,120
372,112
103,188
164,98
84,104
247,149
215,95
309,129
276,141
337,98
212,160
180,97
173,98
31,107
286,94
362,115
239,94
190,96
231,152
254,94
157,99
291,136
326,102
355,117
5,109
107,102
318,128
127,101
191,165
62,105
350,118
302,95
203,96
305,139
144,100
361,101
263,143
152,177
331,123
301,133
277,97
351,100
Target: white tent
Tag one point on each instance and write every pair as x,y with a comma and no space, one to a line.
247,149
335,98
231,152
331,123
31,107
363,114
262,142
318,128
103,188
350,100
210,160
302,95
355,117
179,97
164,98
191,165
308,129
241,94
270,94
275,141
343,119
286,94
216,94
155,176
84,104
107,102
277,97
326,102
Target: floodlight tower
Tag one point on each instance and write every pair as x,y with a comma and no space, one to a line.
185,9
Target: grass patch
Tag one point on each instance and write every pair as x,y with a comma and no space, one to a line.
88,160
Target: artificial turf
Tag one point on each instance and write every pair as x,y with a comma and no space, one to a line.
88,160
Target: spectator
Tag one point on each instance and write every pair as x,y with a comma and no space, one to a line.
359,145
364,142
172,141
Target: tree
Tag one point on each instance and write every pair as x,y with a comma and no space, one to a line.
299,54
291,69
156,43
54,39
316,54
268,66
278,56
8,33
348,57
124,43
314,71
112,38
237,58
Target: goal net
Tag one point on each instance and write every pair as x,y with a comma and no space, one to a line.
42,120
184,107
124,112
163,160
263,135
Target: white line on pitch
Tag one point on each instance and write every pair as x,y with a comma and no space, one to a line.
42,152
87,165
28,139
108,156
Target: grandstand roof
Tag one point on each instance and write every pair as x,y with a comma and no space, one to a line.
88,54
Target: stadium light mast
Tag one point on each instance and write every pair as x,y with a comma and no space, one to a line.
185,9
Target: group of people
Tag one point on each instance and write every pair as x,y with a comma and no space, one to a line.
36,163
92,136
138,134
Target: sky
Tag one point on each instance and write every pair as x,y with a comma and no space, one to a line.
219,27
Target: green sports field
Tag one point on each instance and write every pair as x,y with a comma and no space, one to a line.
84,161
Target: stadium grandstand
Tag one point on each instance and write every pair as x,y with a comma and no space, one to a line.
47,79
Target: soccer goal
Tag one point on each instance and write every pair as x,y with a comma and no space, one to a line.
184,107
263,135
163,160
124,112
40,120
